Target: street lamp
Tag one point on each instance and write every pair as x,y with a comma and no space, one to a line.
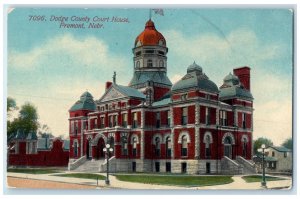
107,150
262,150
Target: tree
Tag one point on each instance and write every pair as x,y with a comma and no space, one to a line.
27,120
45,132
11,105
288,143
257,144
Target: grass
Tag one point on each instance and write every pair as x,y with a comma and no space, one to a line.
82,175
32,171
256,178
177,180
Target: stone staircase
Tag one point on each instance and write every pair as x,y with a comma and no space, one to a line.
237,166
248,165
90,166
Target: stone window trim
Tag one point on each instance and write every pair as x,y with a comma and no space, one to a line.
228,134
75,140
208,133
245,138
182,134
156,136
134,136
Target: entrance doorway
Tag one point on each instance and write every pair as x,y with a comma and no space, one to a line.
100,146
133,166
89,149
228,147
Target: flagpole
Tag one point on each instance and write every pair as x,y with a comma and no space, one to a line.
150,14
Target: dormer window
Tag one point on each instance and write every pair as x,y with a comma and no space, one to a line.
149,63
137,64
161,42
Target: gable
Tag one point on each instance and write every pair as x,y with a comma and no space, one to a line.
111,94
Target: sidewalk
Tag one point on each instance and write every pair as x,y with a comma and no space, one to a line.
237,184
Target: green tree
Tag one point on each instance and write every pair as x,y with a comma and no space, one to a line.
27,120
288,143
11,105
259,141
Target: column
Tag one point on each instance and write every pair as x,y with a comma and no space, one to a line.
142,134
197,131
172,132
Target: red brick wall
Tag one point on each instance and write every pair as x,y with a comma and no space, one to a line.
159,92
191,115
54,157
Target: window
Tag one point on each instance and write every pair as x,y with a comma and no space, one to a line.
102,124
161,63
183,97
72,127
168,118
110,120
124,146
157,165
157,119
223,118
75,149
149,63
207,147
285,154
168,166
161,53
134,147
84,125
135,121
183,167
124,120
115,120
244,120
184,116
76,128
137,64
207,115
207,96
157,147
184,145
168,147
273,154
95,124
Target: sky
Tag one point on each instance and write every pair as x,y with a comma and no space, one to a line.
51,66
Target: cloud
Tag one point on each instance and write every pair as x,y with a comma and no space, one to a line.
218,56
66,50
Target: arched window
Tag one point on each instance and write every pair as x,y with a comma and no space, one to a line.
184,145
137,64
124,146
157,146
168,147
134,146
161,63
207,147
149,63
228,147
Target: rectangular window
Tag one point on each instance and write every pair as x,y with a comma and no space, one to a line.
157,119
285,154
72,127
183,167
169,118
102,122
244,120
135,121
207,152
207,115
223,118
76,127
111,121
115,120
95,124
168,166
157,165
184,116
124,120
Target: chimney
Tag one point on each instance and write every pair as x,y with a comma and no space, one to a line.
243,73
107,85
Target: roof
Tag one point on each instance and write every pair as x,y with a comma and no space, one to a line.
128,91
86,102
141,77
31,136
162,102
150,36
195,78
232,88
43,143
281,148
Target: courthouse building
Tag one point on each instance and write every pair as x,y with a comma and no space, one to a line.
191,126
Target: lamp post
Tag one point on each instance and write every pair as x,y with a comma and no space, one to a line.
262,150
107,149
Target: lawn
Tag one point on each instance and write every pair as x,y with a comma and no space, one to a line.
82,175
32,171
256,178
177,180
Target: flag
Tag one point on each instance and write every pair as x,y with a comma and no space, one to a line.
159,11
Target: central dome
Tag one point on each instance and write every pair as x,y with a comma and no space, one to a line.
150,36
